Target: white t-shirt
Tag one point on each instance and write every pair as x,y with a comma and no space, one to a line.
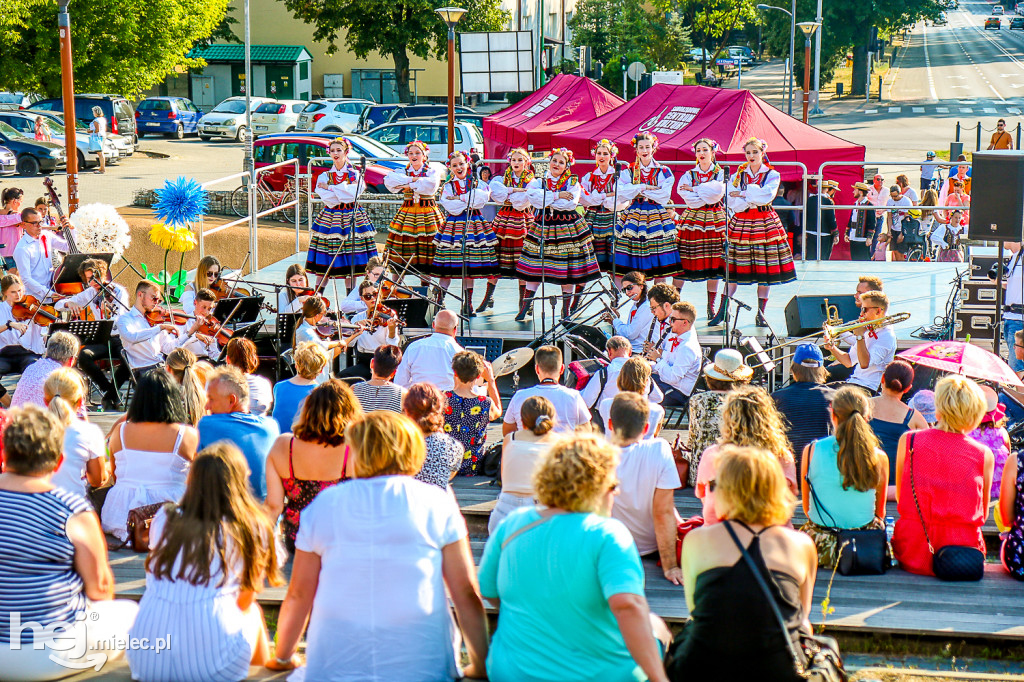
518,461
83,442
381,611
570,408
643,468
655,417
261,394
882,350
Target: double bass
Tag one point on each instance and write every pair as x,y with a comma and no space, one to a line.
64,288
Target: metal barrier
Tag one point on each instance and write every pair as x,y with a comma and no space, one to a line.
978,131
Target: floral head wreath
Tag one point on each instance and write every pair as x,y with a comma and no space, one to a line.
607,144
343,141
418,143
569,158
451,157
709,142
759,142
644,136
522,152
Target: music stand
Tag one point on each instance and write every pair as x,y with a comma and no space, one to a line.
67,272
89,333
248,308
412,310
242,331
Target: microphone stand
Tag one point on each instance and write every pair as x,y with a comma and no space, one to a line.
543,237
725,262
465,225
615,225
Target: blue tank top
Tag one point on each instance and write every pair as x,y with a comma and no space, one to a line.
839,508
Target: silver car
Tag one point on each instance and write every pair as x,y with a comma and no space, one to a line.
8,162
227,119
25,122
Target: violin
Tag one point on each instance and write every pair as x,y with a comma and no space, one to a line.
158,316
382,315
28,308
310,292
392,290
221,290
211,327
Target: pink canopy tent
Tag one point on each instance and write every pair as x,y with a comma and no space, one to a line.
565,101
682,114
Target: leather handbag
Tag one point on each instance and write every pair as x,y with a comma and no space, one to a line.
139,521
860,551
953,563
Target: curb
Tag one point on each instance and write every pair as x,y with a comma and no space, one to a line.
153,155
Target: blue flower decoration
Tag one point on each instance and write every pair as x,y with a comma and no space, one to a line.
180,202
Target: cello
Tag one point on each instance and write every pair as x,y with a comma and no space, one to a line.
64,288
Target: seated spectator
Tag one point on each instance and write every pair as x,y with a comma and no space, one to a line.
466,414
380,392
992,432
635,377
891,418
1011,512
724,374
61,351
430,358
310,360
947,475
924,402
520,452
804,403
227,399
241,354
749,418
312,457
647,483
568,579
602,386
85,452
211,554
425,405
570,409
845,476
733,634
397,626
151,451
53,560
181,363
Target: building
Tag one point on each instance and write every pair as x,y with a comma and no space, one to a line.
282,71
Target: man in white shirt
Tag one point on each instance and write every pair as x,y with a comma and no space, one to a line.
875,348
899,211
1013,302
878,197
648,478
370,340
144,343
33,254
861,225
202,345
430,359
661,297
678,363
570,409
602,384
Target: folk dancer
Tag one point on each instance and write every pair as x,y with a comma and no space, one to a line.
759,250
875,348
465,244
513,221
558,248
701,225
677,364
598,195
372,337
411,233
946,237
821,236
342,235
208,272
646,234
861,226
638,322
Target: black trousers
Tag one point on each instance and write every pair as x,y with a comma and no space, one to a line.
361,368
90,355
673,396
859,251
812,247
837,372
14,359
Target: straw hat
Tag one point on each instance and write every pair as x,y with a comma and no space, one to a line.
994,411
830,184
728,366
862,186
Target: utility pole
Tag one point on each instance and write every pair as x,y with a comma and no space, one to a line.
67,78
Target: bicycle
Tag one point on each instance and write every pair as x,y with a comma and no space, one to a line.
266,199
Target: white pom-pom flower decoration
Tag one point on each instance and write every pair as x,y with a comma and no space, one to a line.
99,228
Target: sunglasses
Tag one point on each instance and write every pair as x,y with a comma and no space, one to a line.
369,297
210,274
679,319
33,222
628,287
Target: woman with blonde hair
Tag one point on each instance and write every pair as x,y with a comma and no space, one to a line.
943,479
567,551
733,633
846,476
310,361
181,363
397,626
207,273
520,452
85,451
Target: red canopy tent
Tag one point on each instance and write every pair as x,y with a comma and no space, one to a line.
682,114
565,101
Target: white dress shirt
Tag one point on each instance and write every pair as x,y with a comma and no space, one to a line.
187,301
455,203
32,256
93,299
570,409
201,350
520,201
882,350
1014,293
32,340
429,359
661,195
760,190
706,193
635,323
286,306
680,362
594,394
545,198
368,342
143,343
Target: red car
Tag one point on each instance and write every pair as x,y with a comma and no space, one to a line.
271,149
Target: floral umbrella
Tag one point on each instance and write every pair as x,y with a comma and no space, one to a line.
964,358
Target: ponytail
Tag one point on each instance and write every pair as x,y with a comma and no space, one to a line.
64,390
857,441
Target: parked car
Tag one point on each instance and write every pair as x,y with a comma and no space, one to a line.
117,110
696,54
121,144
374,116
1017,24
227,119
435,134
993,22
336,115
473,119
33,157
940,20
173,116
25,123
424,111
277,117
272,149
18,100
997,9
8,162
1019,9
743,53
371,149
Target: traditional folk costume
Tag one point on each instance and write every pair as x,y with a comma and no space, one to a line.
510,226
411,233
465,244
759,250
342,239
598,197
701,237
646,233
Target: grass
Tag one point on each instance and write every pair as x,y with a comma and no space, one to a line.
879,68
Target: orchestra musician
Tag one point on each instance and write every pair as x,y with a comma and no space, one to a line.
371,338
313,312
875,348
203,345
207,273
34,254
866,283
15,357
291,297
145,344
639,322
677,364
661,297
374,271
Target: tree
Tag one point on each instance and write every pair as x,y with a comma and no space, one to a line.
395,28
120,46
713,21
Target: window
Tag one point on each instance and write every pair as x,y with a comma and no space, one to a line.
124,110
275,153
155,105
48,106
296,108
389,135
19,123
430,134
314,151
314,106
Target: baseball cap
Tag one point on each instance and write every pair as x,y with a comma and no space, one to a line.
808,355
930,155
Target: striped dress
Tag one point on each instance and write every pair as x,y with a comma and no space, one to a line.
514,218
341,228
759,250
411,233
568,252
646,233
701,224
598,195
464,226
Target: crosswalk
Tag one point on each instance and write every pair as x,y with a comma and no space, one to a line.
945,109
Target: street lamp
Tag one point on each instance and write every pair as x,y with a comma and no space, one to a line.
451,16
808,28
792,40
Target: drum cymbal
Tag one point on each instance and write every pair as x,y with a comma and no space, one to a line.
512,361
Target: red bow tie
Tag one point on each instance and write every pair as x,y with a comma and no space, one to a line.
674,341
872,334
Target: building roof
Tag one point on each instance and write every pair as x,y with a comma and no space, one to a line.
287,54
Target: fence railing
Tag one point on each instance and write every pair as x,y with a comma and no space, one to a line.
978,129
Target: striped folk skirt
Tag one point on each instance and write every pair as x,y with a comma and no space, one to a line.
600,222
759,251
701,241
568,251
646,240
510,226
480,254
334,232
411,233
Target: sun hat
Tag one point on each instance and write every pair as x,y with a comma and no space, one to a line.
862,186
830,184
994,410
924,402
728,366
808,355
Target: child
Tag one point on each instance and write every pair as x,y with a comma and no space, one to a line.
411,233
21,343
992,432
467,414
513,221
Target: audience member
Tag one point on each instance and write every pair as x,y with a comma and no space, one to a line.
891,418
567,552
635,377
924,402
733,634
943,479
61,351
397,626
181,363
726,373
310,360
425,404
992,432
1011,511
211,554
466,414
227,399
151,450
241,354
570,408
53,561
520,452
380,392
845,476
430,359
647,483
84,461
804,403
316,448
601,385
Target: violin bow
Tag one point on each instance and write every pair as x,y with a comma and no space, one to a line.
234,284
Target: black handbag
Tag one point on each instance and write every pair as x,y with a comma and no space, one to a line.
824,663
860,551
953,563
